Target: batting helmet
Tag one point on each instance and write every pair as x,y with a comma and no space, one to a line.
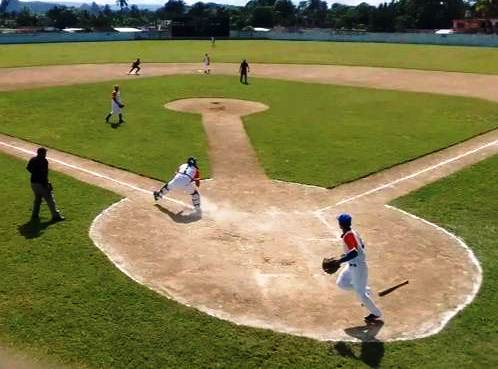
344,220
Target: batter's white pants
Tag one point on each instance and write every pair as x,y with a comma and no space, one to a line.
356,278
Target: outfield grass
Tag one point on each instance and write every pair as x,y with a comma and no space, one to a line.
316,134
61,298
428,57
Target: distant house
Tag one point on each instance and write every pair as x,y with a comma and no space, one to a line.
475,25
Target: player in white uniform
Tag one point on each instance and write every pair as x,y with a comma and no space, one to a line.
187,178
355,275
207,62
116,105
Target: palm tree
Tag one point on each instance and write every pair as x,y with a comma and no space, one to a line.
122,4
487,8
3,6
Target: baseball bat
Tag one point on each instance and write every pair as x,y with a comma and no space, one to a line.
391,289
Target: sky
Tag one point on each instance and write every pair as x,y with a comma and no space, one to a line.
231,2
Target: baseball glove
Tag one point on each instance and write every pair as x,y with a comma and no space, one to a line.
121,106
330,265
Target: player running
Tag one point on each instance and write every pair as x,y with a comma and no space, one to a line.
188,179
116,105
355,275
135,66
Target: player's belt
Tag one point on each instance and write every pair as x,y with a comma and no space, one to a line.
353,265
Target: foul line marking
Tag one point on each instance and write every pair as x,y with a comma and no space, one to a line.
91,172
413,175
476,283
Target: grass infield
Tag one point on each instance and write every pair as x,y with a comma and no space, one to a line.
315,134
428,57
61,298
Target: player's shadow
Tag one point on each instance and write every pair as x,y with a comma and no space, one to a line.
115,125
33,228
371,350
180,217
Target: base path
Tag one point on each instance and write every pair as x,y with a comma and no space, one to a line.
451,83
254,257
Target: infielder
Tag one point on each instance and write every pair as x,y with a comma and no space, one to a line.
135,66
355,275
116,105
207,62
187,178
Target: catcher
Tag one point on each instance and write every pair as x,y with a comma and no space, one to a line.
355,275
116,105
187,178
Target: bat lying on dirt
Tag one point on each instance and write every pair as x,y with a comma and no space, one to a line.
391,289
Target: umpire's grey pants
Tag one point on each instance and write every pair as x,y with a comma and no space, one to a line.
41,191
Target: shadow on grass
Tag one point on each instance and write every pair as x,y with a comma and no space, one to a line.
115,125
180,217
33,228
372,350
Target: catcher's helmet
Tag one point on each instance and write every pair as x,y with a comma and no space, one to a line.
344,220
192,162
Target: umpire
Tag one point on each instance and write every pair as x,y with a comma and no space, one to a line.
243,69
42,189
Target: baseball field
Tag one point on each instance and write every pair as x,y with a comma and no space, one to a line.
409,150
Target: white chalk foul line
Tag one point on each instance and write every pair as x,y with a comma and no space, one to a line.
410,176
93,173
476,282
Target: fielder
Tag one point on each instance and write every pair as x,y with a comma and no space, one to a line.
355,275
187,178
135,66
116,105
207,62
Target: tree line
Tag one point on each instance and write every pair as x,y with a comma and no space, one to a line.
393,16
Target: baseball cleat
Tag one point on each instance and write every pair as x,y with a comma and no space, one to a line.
157,195
372,318
58,218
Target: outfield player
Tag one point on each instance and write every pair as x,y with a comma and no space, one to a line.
187,178
355,275
116,105
135,66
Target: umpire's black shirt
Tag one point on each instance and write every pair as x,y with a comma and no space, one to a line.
38,167
243,67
